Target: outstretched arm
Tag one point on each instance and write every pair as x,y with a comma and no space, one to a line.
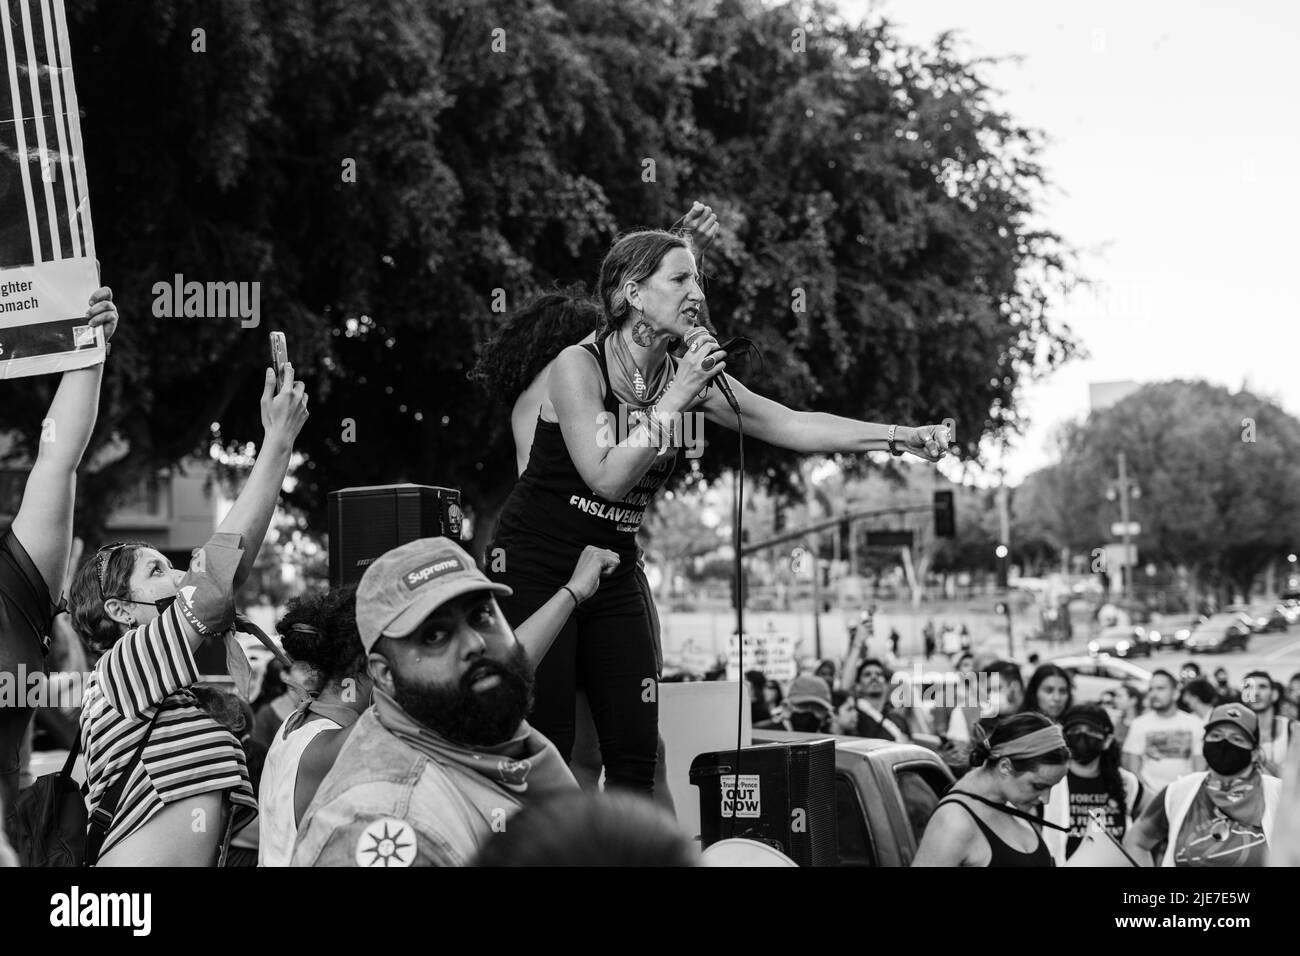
43,525
282,418
818,432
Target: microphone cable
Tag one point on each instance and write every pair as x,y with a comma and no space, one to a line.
740,608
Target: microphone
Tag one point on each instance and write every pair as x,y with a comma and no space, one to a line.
720,380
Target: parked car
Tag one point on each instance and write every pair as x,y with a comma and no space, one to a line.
1121,642
1093,676
1291,611
885,793
1225,631
1270,619
1171,633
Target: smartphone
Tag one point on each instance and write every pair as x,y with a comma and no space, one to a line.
279,358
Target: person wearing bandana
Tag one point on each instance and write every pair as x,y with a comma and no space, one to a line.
191,790
1222,817
1094,782
989,817
444,757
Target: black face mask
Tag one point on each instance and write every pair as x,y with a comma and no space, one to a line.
1084,748
806,722
161,604
1226,758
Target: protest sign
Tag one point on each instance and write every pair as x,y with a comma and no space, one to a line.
766,651
47,246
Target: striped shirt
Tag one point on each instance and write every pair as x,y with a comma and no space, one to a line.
188,752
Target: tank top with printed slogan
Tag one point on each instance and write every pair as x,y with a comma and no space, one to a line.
551,514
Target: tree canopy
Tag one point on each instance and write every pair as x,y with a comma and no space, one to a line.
876,204
1218,471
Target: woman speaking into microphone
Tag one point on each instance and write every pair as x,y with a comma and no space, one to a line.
609,433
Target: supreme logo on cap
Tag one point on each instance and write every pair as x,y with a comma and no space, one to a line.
445,564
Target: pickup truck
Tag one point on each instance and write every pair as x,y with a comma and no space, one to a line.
884,795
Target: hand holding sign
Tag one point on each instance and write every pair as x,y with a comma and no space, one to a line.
1099,848
103,311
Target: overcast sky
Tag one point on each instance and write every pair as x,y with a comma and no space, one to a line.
1175,160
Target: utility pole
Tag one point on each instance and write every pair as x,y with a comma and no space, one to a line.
1004,556
816,599
1123,487
814,541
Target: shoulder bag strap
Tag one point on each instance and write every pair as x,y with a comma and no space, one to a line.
102,818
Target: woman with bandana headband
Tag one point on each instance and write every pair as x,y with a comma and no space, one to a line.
989,816
1094,781
1222,817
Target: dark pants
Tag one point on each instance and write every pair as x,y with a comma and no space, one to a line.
609,648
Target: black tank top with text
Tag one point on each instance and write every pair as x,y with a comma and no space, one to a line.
551,514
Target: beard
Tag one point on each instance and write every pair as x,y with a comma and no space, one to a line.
468,717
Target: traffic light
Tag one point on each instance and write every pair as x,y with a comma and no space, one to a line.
945,516
778,520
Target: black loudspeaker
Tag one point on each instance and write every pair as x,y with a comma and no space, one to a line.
364,523
785,798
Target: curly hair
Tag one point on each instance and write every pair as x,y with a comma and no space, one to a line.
531,337
320,630
86,600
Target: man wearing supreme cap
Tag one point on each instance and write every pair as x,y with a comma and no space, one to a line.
444,755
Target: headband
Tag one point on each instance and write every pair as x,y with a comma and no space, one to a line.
1036,744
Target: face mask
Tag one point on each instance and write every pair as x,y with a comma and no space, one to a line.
1225,757
162,604
1084,748
806,722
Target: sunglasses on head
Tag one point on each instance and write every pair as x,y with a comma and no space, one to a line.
102,557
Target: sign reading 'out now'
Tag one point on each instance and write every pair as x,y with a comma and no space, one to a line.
743,800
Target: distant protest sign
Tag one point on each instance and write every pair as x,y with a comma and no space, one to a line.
765,651
47,246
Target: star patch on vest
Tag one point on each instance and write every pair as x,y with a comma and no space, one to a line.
514,773
386,842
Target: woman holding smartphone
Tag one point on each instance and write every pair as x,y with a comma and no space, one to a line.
190,789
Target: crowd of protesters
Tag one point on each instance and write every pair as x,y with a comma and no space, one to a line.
1162,768
395,732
